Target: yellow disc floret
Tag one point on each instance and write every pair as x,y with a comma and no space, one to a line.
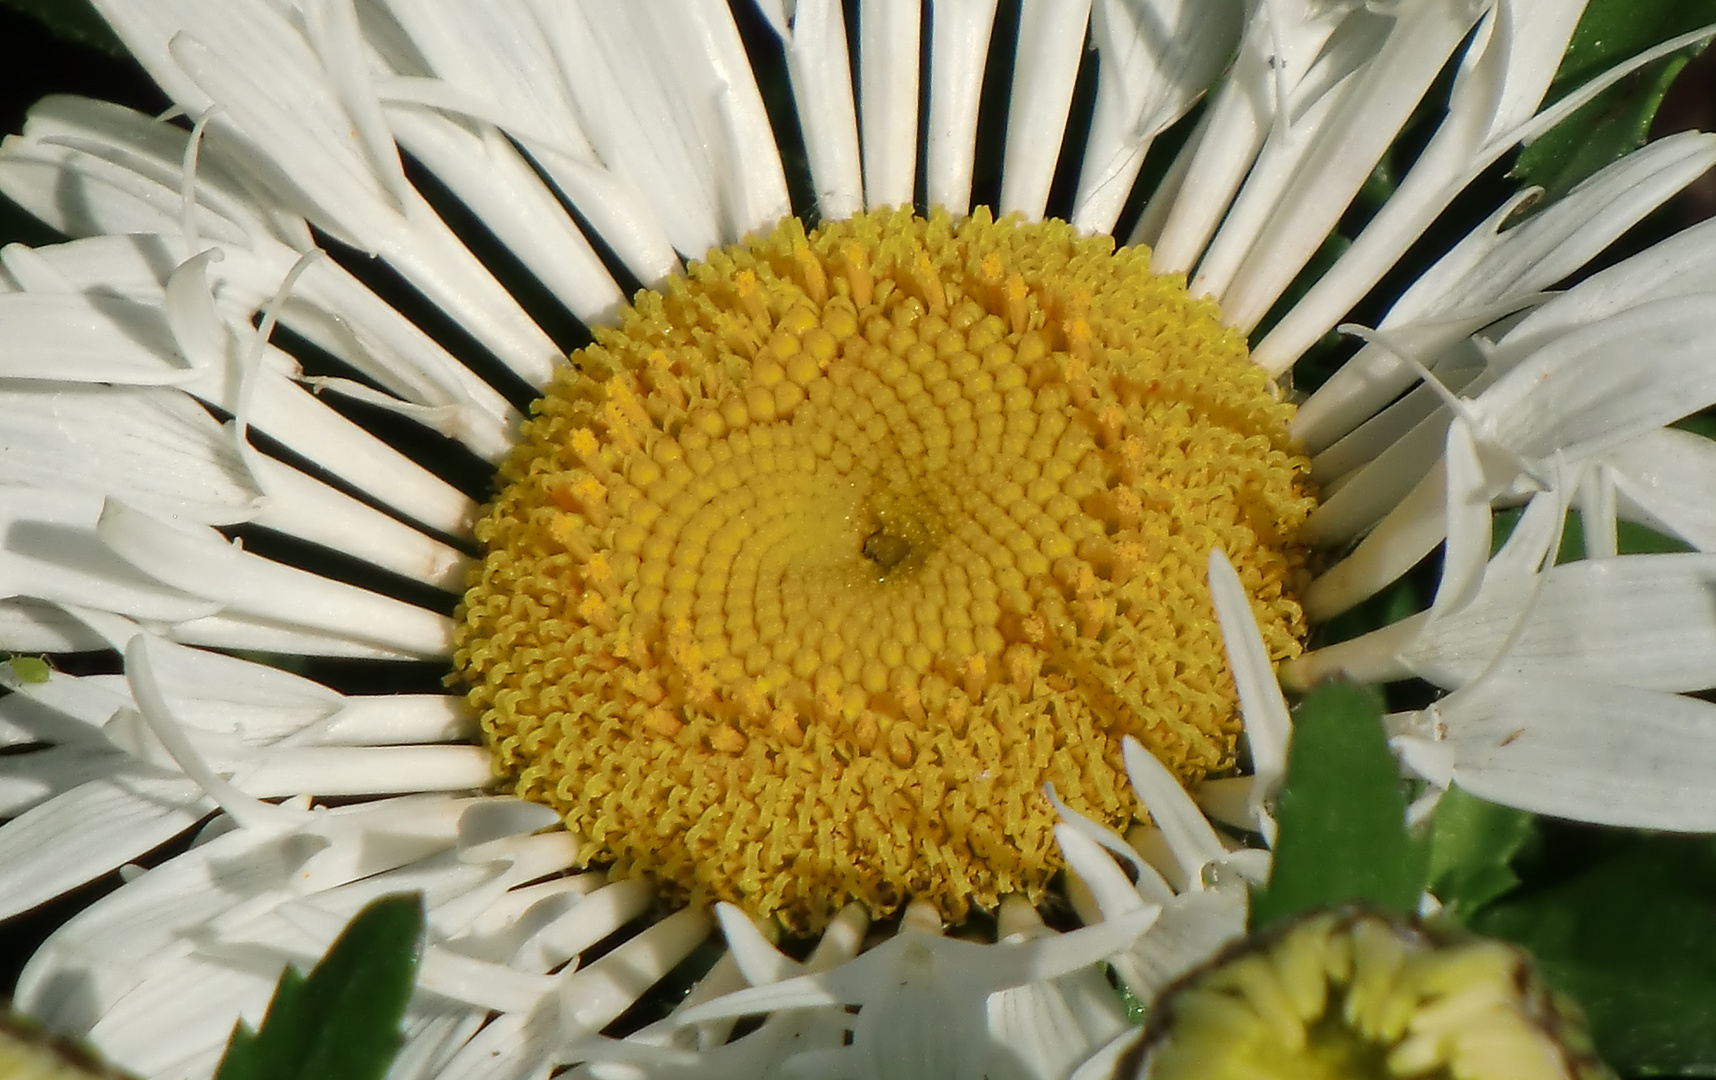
808,577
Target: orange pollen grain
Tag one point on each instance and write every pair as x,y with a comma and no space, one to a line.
809,576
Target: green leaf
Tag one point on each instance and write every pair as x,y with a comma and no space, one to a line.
341,1022
1472,846
71,20
1342,817
1618,120
1631,940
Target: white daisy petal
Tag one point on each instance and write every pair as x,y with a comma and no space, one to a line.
1666,479
295,129
1189,836
758,960
1409,432
1283,49
813,33
909,986
88,345
564,1023
1189,928
125,170
329,307
306,427
1569,397
1189,931
50,552
1467,499
368,770
959,44
703,45
578,147
1598,514
1043,1029
1554,746
434,1032
251,634
302,506
387,719
1156,60
30,626
888,98
497,184
1667,269
1565,400
90,830
1286,143
188,999
611,55
482,53
1644,620
1050,47
1511,265
63,708
27,780
1500,81
102,954
1110,889
153,442
1140,873
174,460
1267,724
1379,655
249,585
1341,155
1374,657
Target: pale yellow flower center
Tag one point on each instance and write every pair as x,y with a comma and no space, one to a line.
809,576
1353,996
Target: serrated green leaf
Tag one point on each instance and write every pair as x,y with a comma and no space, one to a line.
342,1021
1342,816
1472,846
1631,940
71,20
1618,120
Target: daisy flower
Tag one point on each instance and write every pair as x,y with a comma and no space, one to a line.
1362,995
846,530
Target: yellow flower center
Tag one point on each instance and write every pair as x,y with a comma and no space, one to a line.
809,576
1352,996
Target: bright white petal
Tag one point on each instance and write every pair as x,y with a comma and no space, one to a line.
1666,479
1647,621
1051,44
888,98
1267,723
1487,268
1593,752
1156,61
814,37
250,585
82,834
